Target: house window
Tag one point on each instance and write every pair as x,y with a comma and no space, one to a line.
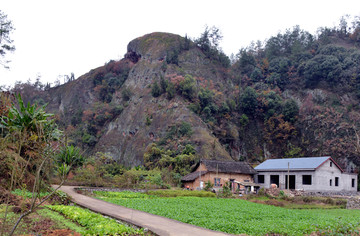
330,163
216,182
336,181
330,182
261,179
353,183
306,179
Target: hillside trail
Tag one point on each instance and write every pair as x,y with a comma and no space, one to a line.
157,224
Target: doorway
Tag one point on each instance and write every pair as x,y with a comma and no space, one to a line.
274,179
292,181
232,184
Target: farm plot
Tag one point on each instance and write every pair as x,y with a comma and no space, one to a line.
237,216
94,223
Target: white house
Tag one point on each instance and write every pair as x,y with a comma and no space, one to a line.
307,173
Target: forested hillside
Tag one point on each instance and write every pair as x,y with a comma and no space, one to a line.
173,99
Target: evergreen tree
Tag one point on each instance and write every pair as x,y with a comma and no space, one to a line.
156,90
6,27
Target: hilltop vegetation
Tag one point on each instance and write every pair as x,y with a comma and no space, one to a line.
296,94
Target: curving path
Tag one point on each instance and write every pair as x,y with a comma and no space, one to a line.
157,224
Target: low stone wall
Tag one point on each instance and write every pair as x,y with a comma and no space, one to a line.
353,203
332,194
353,198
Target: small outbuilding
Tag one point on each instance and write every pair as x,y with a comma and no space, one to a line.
239,174
306,173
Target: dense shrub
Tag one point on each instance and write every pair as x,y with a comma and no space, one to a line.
126,94
155,90
187,87
290,110
248,101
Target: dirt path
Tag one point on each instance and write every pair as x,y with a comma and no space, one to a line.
157,224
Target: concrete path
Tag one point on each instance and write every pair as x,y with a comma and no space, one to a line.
157,224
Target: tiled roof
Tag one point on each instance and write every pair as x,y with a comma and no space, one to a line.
192,176
240,167
304,163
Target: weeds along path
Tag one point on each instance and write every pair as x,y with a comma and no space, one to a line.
157,224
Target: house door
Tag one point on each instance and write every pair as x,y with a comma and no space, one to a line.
274,179
232,184
292,181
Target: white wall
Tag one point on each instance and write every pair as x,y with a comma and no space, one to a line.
320,179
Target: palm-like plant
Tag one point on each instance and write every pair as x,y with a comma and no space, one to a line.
71,156
30,132
30,120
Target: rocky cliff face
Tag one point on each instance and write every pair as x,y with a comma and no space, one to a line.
125,136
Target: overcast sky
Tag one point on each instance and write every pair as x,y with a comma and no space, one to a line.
54,38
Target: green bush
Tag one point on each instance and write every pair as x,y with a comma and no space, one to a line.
261,192
307,199
155,90
248,101
225,192
126,94
185,129
59,197
244,120
187,87
329,201
208,186
170,91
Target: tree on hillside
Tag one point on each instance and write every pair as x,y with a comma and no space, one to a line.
210,38
248,101
209,41
6,27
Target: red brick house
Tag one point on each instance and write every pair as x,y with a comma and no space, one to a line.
239,174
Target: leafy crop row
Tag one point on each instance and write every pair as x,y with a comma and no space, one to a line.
26,194
124,194
237,216
155,193
180,193
95,223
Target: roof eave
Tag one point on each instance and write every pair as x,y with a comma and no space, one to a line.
285,170
333,162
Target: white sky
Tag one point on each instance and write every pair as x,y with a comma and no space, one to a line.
56,37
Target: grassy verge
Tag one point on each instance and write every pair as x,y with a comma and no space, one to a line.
238,216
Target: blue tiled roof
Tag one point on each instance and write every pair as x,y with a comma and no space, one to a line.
295,163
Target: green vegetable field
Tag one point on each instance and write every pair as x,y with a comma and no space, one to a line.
95,223
237,216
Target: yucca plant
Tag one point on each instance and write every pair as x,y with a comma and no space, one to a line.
71,156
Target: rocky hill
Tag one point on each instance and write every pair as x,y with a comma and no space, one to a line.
298,95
